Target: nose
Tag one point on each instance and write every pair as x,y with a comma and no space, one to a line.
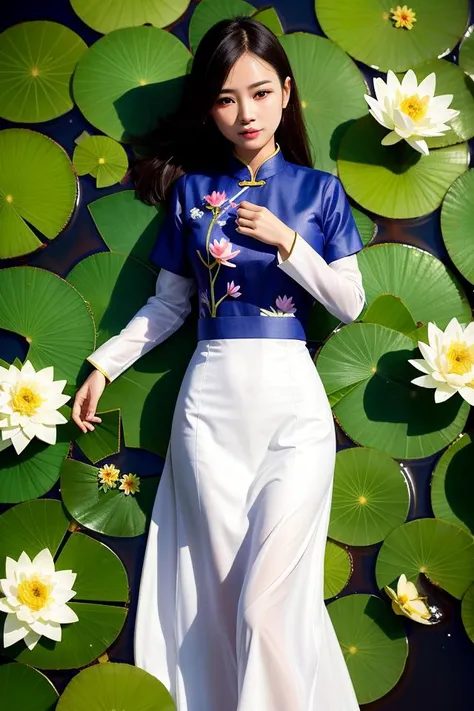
246,115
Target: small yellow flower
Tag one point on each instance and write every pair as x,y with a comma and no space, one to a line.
130,484
108,476
406,601
403,17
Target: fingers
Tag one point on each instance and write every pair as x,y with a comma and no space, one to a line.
249,206
84,420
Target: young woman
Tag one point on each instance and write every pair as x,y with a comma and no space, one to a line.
231,615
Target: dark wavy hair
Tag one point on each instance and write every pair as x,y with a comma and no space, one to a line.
188,140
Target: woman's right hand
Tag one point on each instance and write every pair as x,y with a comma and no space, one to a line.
86,401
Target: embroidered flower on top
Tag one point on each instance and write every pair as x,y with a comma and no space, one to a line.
222,252
232,290
285,307
215,199
196,213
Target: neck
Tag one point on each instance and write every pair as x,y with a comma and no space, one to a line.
254,158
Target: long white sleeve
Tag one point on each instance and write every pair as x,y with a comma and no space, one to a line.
161,316
337,286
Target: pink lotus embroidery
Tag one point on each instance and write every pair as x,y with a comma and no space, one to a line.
232,290
215,199
222,252
285,304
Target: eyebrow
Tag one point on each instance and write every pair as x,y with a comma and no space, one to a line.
250,86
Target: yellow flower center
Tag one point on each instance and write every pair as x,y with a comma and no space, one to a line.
415,107
403,598
403,17
26,401
34,593
460,357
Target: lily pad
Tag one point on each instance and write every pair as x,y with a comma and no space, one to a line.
37,60
101,580
209,12
366,31
112,513
268,16
103,158
26,688
466,53
396,181
452,485
467,612
440,550
51,315
365,371
111,15
337,569
365,226
104,440
329,106
373,643
457,214
370,497
427,288
115,686
130,78
127,225
104,281
38,187
390,311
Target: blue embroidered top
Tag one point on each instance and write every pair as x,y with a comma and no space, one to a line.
236,274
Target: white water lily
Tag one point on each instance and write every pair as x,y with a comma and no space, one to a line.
28,405
410,110
35,601
406,601
448,361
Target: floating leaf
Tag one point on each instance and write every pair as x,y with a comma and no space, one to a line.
467,612
26,688
103,158
457,214
390,311
452,485
337,569
109,15
209,12
104,440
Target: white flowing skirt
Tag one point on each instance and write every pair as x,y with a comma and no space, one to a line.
231,614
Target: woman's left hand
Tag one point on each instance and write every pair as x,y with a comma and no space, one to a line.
257,221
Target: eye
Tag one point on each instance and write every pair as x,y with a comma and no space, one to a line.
264,92
220,102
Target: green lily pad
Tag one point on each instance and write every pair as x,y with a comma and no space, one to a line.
129,79
269,17
35,471
51,315
365,226
457,214
466,53
427,288
337,569
115,686
38,187
112,513
37,60
26,688
103,158
366,31
440,550
396,181
450,79
209,12
370,497
101,580
111,15
390,311
320,323
104,280
104,440
328,105
146,392
467,612
127,225
373,643
452,485
365,371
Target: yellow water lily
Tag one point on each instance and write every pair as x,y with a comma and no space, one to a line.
406,601
403,17
410,110
130,484
28,404
35,599
448,361
108,477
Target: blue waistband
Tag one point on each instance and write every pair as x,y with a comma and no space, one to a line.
250,327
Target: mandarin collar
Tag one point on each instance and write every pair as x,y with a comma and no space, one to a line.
244,174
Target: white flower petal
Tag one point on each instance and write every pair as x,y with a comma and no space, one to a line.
420,365
44,562
467,394
442,393
46,433
428,353
62,595
20,441
425,381
64,578
13,630
409,83
390,139
428,85
5,606
31,639
419,145
52,630
63,615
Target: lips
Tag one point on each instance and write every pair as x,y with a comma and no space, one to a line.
250,132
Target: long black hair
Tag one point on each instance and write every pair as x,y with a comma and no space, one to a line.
188,140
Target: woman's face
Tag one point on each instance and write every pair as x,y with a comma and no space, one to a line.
251,98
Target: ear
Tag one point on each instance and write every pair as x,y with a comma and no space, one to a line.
286,91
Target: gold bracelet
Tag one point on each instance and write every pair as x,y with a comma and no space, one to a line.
292,246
